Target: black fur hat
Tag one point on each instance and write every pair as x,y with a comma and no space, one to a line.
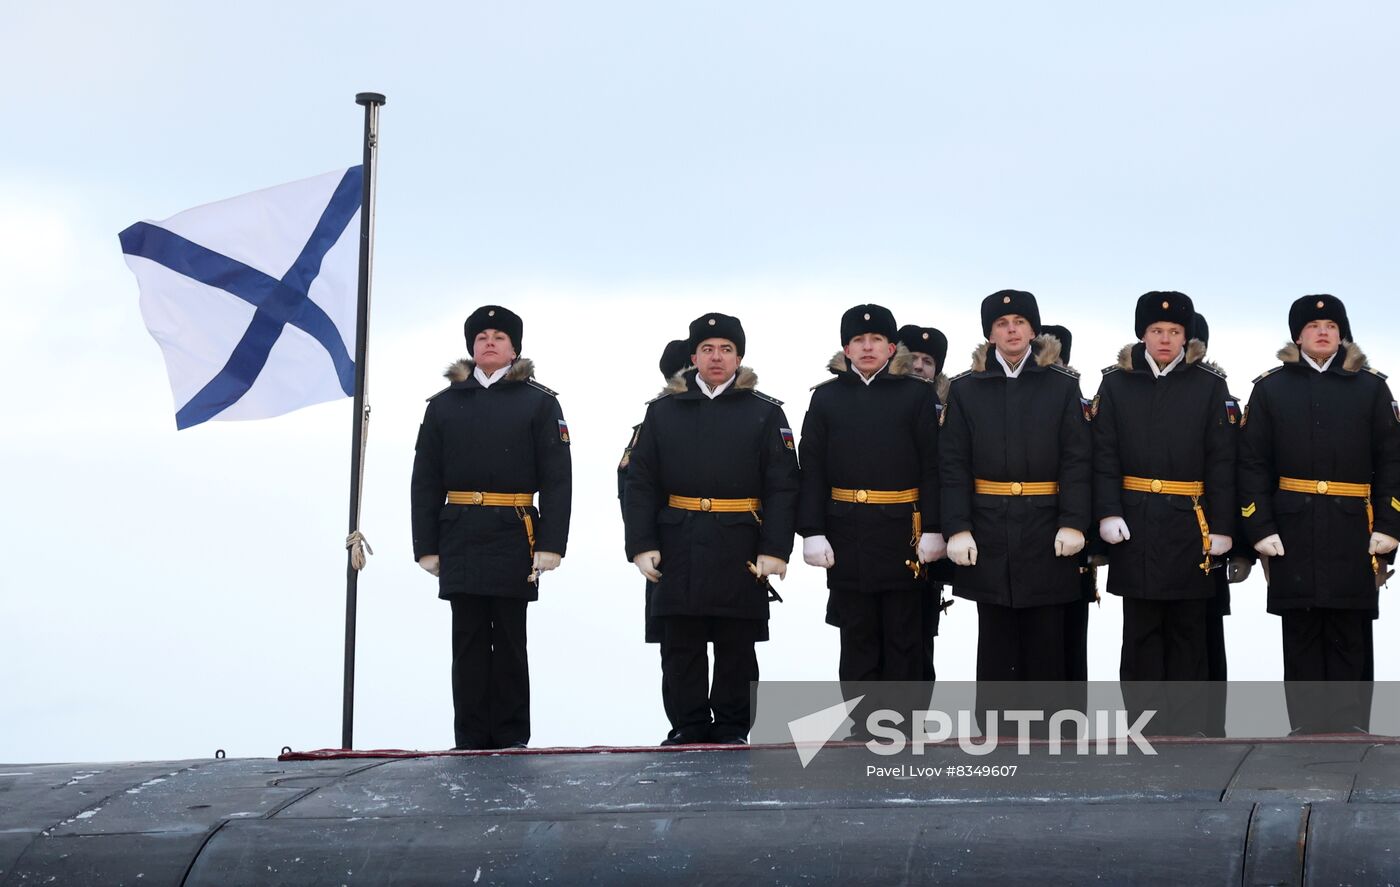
1321,307
1202,329
925,340
1064,335
867,319
1005,302
716,326
675,357
494,317
1164,307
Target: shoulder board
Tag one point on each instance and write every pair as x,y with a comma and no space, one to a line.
960,375
1111,369
440,393
820,384
1377,373
761,396
662,396
1211,368
547,390
1064,369
1266,374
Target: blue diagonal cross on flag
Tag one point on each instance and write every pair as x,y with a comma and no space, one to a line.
253,299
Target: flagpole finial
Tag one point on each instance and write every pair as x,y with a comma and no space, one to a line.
369,98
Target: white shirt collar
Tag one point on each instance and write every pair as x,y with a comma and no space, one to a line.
872,375
1010,373
487,381
712,393
1321,368
1152,364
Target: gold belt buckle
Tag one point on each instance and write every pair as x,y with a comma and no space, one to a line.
476,498
1016,488
862,495
1322,486
1156,486
704,504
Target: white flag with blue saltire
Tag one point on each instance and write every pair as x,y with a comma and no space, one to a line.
253,299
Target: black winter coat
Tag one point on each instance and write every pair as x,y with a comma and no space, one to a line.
881,436
1338,425
1033,428
736,446
509,438
1180,427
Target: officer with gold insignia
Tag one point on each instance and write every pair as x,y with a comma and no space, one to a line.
1015,470
1319,480
869,506
488,443
710,505
1164,497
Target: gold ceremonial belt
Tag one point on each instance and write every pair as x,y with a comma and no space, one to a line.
1325,487
1015,488
688,503
874,497
1165,487
517,500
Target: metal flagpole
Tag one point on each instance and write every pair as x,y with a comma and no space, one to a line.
354,557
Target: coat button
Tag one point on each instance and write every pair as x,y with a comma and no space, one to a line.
1016,488
704,504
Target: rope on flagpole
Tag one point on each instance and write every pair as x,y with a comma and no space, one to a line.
359,549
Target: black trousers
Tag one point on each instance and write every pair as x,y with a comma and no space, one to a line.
699,709
490,672
885,637
1016,646
1164,664
1216,667
1325,645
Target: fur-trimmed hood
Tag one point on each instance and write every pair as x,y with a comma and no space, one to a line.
1195,353
744,378
1044,347
1353,362
902,364
523,368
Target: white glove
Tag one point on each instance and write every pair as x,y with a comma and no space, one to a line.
1270,547
546,561
770,566
1238,569
932,547
816,551
962,549
1220,544
1382,544
1114,530
431,562
1068,542
647,562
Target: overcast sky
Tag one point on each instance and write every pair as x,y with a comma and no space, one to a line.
608,170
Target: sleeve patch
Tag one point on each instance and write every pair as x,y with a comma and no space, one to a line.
1232,411
1244,417
1248,510
1087,406
787,438
564,431
1395,408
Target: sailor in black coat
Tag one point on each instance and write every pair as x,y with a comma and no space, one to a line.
487,444
711,505
1319,480
1164,496
1015,470
869,477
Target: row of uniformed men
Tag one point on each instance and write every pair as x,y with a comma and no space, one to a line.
1006,462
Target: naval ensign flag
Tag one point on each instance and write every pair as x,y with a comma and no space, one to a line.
253,299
